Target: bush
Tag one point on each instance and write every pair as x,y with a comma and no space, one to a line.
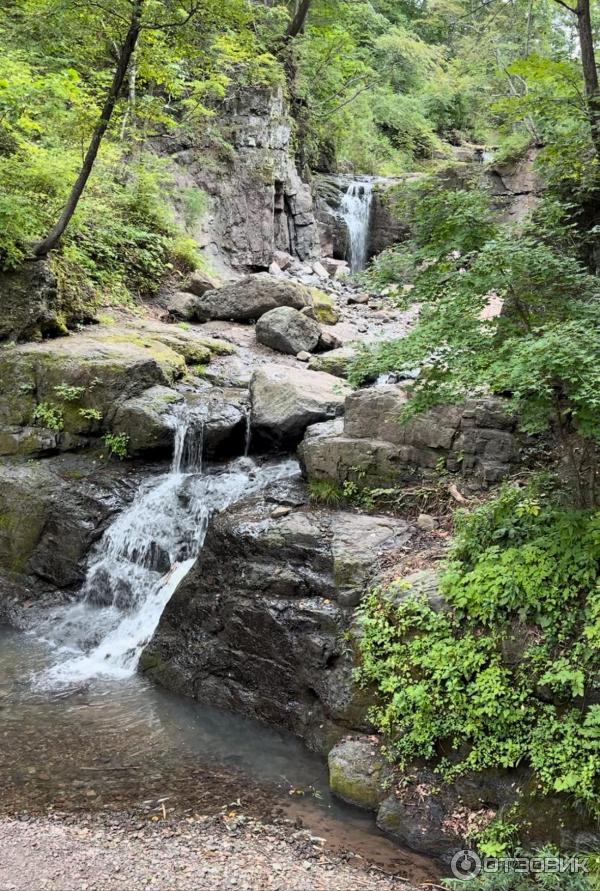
522,568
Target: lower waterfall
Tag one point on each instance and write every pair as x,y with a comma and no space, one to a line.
356,211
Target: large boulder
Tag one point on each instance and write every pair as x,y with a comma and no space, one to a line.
261,624
336,362
288,331
250,298
32,306
285,401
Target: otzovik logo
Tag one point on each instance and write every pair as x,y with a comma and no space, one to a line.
465,865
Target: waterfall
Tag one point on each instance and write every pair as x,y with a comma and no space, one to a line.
142,558
356,211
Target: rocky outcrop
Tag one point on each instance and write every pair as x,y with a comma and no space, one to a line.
249,299
32,306
51,512
259,626
285,401
244,162
64,394
288,331
477,440
516,185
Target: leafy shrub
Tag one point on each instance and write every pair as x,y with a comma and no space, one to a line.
117,444
524,569
47,415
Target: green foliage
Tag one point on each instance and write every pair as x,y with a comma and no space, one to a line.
117,444
48,415
513,879
523,573
90,414
68,393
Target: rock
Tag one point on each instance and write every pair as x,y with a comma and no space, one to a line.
182,305
275,270
281,511
325,308
257,626
320,270
358,538
426,522
250,298
224,416
285,401
283,259
335,362
288,331
148,420
333,266
310,312
418,819
303,356
200,282
358,298
50,514
357,772
32,305
328,341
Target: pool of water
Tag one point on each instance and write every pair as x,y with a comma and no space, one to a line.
125,745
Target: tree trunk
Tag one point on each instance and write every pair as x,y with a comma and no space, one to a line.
126,52
297,23
590,72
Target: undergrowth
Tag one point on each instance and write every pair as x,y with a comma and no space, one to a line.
523,574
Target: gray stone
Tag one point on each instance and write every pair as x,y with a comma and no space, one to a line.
250,298
357,772
148,420
328,341
285,401
258,626
288,331
336,362
182,305
32,304
200,282
426,522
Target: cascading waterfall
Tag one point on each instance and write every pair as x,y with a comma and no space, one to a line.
356,211
142,558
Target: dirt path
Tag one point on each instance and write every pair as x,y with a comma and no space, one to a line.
208,853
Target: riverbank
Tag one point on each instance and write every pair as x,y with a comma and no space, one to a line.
115,853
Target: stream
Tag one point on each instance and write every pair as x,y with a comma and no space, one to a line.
81,731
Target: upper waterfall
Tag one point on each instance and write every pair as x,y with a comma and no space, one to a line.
356,211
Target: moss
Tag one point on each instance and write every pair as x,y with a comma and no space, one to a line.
325,308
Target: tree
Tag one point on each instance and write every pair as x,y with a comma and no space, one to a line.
124,58
583,15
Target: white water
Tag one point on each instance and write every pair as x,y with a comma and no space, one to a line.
356,211
142,558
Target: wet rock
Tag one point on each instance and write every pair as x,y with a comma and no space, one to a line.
148,420
250,298
285,401
260,625
50,514
357,772
288,331
303,356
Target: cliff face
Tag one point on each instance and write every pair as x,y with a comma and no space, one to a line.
258,202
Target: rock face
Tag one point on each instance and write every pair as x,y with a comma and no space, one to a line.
258,203
288,331
476,440
517,186
31,304
50,514
148,420
249,299
285,401
259,624
357,772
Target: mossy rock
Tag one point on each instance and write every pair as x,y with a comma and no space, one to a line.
358,773
324,307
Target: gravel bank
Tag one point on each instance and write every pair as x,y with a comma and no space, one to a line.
110,854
